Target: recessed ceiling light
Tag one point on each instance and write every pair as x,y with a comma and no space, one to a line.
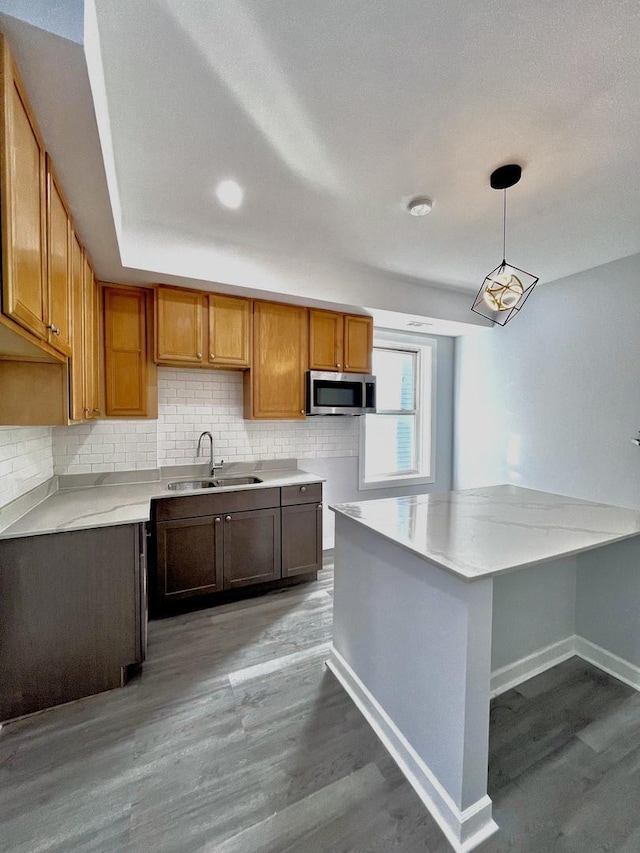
420,205
230,194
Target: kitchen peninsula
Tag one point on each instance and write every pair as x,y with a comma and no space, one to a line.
443,601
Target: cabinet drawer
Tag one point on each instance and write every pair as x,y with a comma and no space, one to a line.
194,506
305,494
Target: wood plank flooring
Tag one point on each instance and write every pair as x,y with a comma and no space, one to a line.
236,739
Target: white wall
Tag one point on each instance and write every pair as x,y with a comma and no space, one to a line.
552,400
26,460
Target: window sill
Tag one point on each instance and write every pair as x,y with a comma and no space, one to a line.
395,482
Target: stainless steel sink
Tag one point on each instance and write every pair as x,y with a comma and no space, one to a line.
217,483
236,481
188,485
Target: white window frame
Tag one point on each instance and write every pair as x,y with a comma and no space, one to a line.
425,389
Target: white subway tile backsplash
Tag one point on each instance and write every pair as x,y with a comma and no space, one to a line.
189,402
26,460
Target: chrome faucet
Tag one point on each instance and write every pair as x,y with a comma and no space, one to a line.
213,465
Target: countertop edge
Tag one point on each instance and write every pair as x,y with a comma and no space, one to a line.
139,509
486,573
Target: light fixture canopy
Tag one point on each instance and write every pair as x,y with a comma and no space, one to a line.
506,288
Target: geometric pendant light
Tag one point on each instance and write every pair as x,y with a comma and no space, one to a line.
506,288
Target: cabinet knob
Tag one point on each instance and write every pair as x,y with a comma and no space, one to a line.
303,488
96,411
319,506
211,355
338,365
347,366
227,518
218,519
198,355
56,330
302,411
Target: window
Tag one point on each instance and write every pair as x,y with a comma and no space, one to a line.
396,445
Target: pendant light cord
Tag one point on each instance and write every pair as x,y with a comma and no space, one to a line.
504,228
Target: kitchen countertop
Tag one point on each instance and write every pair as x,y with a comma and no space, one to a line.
109,504
475,533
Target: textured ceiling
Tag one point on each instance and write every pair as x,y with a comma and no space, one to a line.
330,114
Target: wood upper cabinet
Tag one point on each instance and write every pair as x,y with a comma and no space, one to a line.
358,343
180,326
91,354
326,336
24,286
197,329
274,387
129,375
340,342
77,361
229,331
59,271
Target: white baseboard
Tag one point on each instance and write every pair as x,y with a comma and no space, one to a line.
607,661
466,829
515,673
463,829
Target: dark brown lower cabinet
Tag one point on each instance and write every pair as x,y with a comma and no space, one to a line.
301,539
265,536
189,557
72,615
251,547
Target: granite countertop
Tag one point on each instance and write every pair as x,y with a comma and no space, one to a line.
475,533
87,501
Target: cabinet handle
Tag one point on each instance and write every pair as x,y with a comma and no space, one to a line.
227,518
303,488
218,520
211,355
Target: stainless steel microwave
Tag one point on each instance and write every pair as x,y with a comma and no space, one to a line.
340,393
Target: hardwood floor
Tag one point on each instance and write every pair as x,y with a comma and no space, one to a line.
236,739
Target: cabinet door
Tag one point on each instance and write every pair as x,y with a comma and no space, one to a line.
251,547
23,207
358,344
59,273
125,350
91,344
188,557
280,358
179,329
229,331
326,331
76,363
301,539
